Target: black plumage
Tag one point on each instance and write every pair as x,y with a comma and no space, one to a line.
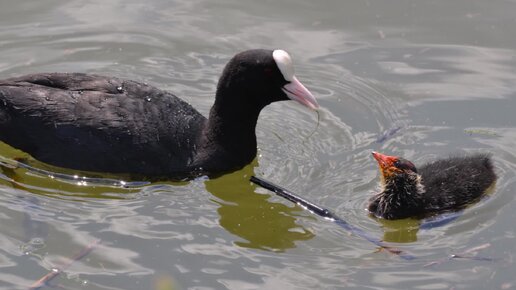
444,185
105,124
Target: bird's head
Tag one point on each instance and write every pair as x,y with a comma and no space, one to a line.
393,166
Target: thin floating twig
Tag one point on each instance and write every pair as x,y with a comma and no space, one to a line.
388,133
43,281
464,255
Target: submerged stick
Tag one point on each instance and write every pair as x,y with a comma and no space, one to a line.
387,134
464,255
43,281
327,214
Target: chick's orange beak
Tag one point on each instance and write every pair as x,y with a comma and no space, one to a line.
384,161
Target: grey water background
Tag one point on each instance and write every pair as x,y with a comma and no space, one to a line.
420,79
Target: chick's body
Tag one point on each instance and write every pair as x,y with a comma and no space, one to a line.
445,185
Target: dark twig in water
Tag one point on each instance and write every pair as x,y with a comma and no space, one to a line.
43,281
387,134
439,220
325,213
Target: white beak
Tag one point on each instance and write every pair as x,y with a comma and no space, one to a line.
297,92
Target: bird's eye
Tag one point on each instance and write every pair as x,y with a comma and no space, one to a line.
405,165
268,71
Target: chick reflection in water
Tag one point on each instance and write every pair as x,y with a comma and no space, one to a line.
262,224
406,230
399,231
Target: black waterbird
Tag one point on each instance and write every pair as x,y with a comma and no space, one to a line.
104,124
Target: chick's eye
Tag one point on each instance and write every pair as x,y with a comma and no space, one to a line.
405,165
411,166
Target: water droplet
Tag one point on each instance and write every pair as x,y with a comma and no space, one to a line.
120,89
47,98
81,92
55,270
148,99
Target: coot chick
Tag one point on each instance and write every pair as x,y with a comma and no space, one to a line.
104,124
445,185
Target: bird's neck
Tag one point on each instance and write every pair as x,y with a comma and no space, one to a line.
229,134
401,196
404,185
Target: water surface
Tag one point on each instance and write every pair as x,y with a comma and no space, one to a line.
420,79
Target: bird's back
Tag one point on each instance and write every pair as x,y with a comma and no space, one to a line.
455,182
95,123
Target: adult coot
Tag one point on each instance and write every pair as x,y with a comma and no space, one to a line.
104,124
445,185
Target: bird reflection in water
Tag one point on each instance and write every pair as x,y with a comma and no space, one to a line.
261,223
